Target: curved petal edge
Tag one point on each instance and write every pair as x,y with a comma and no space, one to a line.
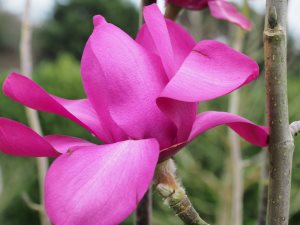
19,140
221,9
27,92
254,134
100,185
211,70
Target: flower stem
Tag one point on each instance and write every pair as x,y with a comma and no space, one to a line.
174,195
144,210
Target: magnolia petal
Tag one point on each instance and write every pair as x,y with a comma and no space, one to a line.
181,113
213,69
18,140
173,44
221,9
63,143
99,20
254,134
158,30
166,38
100,185
123,81
27,92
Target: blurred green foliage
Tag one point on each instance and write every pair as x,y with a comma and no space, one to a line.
71,24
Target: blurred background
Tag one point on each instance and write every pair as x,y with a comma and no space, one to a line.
60,30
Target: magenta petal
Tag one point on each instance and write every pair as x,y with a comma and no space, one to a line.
100,185
63,143
221,9
99,20
213,69
18,140
27,92
257,135
123,81
181,113
159,32
166,38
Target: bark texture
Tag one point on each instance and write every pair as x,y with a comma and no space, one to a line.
281,144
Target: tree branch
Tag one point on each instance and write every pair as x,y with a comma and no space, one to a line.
32,205
32,116
234,141
281,144
170,188
235,150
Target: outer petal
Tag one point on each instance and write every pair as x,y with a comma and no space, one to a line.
257,135
221,9
18,140
211,70
63,143
100,185
164,37
27,92
122,81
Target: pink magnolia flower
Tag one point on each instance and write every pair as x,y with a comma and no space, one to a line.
220,9
142,103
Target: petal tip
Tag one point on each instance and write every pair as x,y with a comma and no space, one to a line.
98,20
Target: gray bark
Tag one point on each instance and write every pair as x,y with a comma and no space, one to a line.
281,144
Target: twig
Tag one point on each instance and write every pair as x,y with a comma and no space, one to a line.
236,166
234,142
32,116
32,205
281,143
264,186
174,195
